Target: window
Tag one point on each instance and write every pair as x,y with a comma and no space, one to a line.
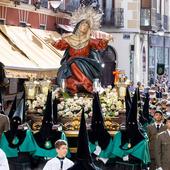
2,21
44,3
24,1
23,24
42,26
145,13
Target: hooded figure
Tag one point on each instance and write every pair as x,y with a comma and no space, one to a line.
46,137
84,160
98,133
18,142
15,137
133,134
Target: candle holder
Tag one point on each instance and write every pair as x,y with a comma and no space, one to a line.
45,86
63,85
96,85
30,89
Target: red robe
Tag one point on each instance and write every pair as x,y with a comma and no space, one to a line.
78,78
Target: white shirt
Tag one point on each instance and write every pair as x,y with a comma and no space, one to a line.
3,161
160,124
55,164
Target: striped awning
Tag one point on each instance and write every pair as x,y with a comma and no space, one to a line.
25,54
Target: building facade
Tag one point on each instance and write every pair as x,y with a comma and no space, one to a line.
135,26
36,14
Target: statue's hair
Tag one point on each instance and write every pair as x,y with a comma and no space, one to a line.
89,14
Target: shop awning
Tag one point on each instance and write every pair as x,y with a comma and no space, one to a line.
24,54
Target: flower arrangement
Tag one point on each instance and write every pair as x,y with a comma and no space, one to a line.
71,107
38,104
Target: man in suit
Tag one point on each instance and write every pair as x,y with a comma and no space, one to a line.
163,148
152,131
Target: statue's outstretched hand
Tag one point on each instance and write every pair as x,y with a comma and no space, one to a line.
110,38
49,40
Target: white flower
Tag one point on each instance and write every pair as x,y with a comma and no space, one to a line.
104,109
60,107
116,114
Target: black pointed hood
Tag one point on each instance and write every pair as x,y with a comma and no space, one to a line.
83,152
47,137
48,112
142,118
128,102
17,119
13,108
132,116
24,108
19,112
98,133
146,108
55,110
84,160
133,134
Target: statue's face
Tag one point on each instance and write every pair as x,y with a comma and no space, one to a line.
84,27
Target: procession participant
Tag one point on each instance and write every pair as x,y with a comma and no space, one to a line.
152,110
167,113
163,148
60,162
18,142
47,136
152,131
83,158
100,139
132,142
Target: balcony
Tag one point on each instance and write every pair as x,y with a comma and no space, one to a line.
149,19
145,17
114,18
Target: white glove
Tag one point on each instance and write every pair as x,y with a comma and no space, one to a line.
104,160
160,168
126,158
98,150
